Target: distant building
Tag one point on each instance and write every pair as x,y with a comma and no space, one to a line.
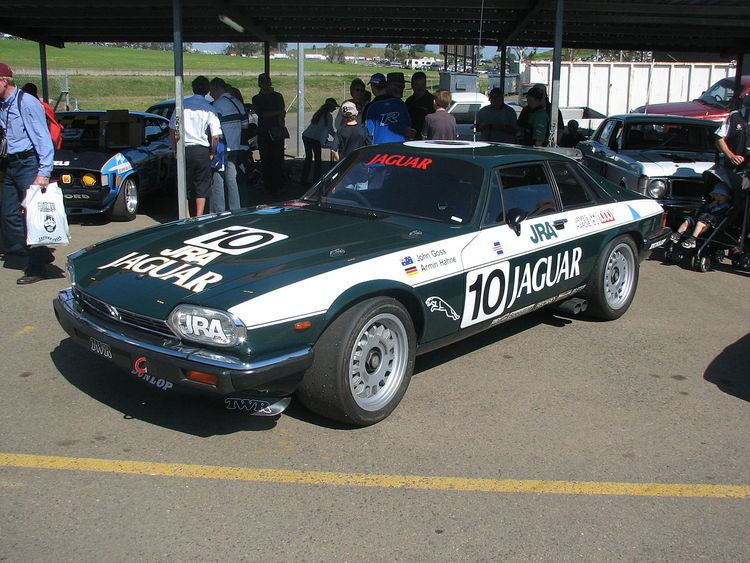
314,57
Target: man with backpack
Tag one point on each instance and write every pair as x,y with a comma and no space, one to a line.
29,160
54,126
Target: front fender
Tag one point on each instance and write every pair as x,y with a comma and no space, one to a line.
403,293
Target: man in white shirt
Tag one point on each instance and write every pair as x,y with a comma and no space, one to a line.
200,121
233,118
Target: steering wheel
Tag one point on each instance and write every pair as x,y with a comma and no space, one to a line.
718,99
358,197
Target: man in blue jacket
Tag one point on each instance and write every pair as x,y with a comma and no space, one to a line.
29,161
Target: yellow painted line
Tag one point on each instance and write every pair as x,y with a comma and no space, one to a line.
28,329
373,480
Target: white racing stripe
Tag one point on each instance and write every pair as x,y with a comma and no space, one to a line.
427,263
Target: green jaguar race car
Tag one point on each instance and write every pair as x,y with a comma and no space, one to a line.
399,250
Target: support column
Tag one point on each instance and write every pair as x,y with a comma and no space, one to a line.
182,207
503,55
738,81
267,58
556,64
300,97
43,68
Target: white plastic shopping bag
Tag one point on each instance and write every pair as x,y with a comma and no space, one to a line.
46,223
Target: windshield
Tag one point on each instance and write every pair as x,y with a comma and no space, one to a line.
404,183
675,136
81,131
720,94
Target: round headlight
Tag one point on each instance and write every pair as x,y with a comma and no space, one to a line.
656,188
207,326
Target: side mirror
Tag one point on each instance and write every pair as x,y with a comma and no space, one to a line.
514,217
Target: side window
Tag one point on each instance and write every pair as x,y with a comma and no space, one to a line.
494,213
464,113
527,188
573,190
614,138
606,132
155,129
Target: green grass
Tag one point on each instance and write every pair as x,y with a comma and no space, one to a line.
130,89
25,54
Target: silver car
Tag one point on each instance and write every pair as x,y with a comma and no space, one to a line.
661,156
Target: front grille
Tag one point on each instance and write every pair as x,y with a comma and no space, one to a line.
105,311
688,188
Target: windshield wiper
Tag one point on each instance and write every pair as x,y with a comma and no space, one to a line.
349,210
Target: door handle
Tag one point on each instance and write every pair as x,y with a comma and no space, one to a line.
559,224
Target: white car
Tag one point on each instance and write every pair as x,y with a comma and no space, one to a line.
661,156
464,107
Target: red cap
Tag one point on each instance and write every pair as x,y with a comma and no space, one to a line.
5,70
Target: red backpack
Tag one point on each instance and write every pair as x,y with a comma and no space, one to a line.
55,127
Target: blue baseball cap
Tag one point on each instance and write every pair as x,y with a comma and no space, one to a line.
378,79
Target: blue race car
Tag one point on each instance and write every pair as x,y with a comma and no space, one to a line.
109,159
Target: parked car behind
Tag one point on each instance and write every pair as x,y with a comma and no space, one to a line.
712,104
109,159
660,156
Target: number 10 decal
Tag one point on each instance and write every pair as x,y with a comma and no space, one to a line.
486,293
235,240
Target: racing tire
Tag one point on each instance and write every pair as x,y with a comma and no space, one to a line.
125,207
614,280
701,263
363,363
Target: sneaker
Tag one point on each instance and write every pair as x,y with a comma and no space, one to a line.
688,242
675,237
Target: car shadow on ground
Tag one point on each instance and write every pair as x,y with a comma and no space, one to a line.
730,370
488,337
173,409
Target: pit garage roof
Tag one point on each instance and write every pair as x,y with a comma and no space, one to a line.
717,26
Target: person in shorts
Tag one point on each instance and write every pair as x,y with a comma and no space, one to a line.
708,217
198,116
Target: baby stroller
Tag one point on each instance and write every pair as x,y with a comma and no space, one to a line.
729,238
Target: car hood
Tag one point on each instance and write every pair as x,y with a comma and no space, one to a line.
304,241
694,108
671,162
86,160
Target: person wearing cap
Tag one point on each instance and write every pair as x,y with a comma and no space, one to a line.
29,161
315,137
233,118
497,122
707,218
351,135
421,103
386,117
271,110
357,91
536,131
526,113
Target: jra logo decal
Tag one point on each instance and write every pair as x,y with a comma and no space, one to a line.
493,290
541,232
236,240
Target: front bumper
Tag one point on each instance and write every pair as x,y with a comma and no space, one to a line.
164,362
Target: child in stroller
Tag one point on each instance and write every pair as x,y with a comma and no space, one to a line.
708,217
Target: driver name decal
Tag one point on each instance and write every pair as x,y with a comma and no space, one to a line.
493,290
401,161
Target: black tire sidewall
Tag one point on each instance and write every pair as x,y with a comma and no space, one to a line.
599,307
370,309
119,210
